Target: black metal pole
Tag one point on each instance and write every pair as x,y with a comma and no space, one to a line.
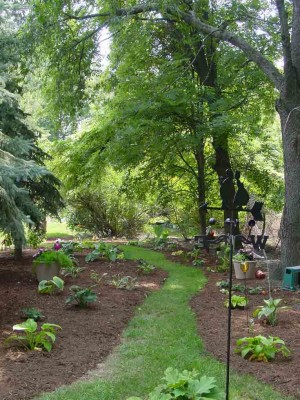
231,237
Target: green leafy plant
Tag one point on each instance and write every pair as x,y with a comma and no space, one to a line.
255,290
82,296
237,287
51,256
186,385
105,250
236,302
35,237
198,263
224,258
123,282
260,348
144,267
97,277
32,313
49,287
177,253
161,235
30,338
243,255
72,271
223,284
269,310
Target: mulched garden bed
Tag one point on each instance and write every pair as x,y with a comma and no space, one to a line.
282,373
87,336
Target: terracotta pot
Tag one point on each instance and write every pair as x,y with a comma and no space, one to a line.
239,274
46,271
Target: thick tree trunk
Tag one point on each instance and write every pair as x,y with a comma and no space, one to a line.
289,113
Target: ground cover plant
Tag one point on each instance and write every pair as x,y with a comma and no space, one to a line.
51,286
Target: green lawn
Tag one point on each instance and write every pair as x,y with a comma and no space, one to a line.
162,334
56,229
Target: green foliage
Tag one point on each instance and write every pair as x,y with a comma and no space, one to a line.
224,257
236,301
144,267
269,310
96,277
260,348
72,271
31,338
198,263
102,249
223,284
35,237
186,385
255,290
49,287
123,282
32,313
51,256
82,296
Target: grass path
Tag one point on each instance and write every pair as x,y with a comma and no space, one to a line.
162,334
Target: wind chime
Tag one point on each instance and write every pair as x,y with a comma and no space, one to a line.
234,198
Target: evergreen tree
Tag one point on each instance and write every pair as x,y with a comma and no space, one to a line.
27,190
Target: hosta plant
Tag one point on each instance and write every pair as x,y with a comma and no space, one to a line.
144,267
105,250
123,282
260,348
72,271
82,296
186,385
236,301
269,310
49,287
29,337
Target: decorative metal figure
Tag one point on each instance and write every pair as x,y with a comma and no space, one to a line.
235,201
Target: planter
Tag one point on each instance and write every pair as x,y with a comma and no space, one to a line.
46,271
239,274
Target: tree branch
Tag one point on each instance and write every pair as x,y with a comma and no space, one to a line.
253,54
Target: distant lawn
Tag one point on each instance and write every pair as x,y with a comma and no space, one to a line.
56,229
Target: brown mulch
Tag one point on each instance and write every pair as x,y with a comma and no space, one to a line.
282,373
87,336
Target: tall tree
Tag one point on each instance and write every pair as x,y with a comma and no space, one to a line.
27,189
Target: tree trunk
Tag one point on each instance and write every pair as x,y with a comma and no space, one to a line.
290,225
221,165
18,252
200,159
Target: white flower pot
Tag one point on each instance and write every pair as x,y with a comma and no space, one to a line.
239,274
46,271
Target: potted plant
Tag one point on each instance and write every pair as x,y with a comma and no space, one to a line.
244,264
47,263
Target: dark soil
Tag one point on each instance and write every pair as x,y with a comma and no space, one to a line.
87,335
282,373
